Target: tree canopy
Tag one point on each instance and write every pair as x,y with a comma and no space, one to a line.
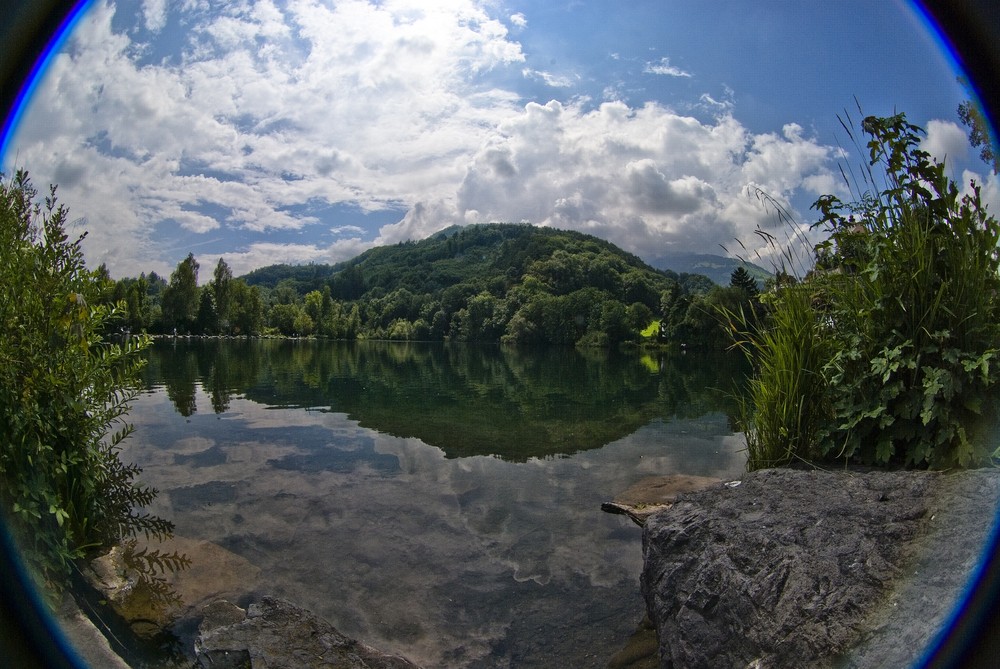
513,283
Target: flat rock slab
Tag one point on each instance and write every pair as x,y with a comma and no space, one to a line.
797,568
275,633
654,494
214,572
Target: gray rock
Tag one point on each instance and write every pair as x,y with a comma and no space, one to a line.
276,633
813,569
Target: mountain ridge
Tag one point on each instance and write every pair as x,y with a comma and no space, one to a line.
717,268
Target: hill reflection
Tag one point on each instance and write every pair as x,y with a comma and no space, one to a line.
464,399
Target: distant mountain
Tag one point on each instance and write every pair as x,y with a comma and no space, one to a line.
717,268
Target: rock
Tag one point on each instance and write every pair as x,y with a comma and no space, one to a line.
214,572
276,633
89,644
640,651
813,569
654,494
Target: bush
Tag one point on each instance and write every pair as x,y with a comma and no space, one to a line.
886,354
64,392
911,277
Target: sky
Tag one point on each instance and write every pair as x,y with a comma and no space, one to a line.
307,131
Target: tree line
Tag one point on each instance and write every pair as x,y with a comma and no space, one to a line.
496,283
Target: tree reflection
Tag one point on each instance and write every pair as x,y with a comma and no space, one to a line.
464,399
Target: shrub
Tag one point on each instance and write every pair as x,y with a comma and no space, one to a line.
64,392
911,277
886,353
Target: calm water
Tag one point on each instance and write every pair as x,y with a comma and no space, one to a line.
439,501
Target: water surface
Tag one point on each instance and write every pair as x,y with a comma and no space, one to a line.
438,501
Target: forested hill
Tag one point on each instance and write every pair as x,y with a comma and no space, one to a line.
516,284
460,255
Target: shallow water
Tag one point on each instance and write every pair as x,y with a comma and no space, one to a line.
473,560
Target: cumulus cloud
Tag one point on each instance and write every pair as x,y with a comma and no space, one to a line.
155,14
648,179
269,253
265,109
945,141
270,115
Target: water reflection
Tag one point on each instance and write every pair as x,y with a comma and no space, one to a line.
465,400
324,472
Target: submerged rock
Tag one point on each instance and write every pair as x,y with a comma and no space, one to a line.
276,633
813,569
213,572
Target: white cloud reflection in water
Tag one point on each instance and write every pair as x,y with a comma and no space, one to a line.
452,562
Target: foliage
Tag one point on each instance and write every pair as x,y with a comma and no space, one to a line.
484,283
741,279
181,302
64,393
785,407
911,279
972,116
889,345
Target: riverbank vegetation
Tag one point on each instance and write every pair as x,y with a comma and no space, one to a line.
516,284
886,352
65,389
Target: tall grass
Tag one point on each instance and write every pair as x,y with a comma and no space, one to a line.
784,408
886,352
916,309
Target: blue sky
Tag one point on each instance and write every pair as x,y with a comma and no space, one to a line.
267,131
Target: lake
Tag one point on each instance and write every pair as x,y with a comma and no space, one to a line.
434,500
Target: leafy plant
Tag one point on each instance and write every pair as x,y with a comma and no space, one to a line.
910,276
64,393
886,353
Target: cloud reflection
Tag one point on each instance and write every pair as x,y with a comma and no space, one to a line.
446,560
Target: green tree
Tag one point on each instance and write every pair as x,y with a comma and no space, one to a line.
207,322
246,309
64,394
742,279
980,137
222,284
180,297
314,304
282,317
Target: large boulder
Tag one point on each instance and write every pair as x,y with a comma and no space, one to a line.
794,568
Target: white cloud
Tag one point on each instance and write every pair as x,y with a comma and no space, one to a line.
372,105
647,179
519,20
664,67
279,113
347,230
267,253
155,14
989,189
945,141
550,79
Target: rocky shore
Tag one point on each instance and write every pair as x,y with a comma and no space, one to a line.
790,568
782,568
